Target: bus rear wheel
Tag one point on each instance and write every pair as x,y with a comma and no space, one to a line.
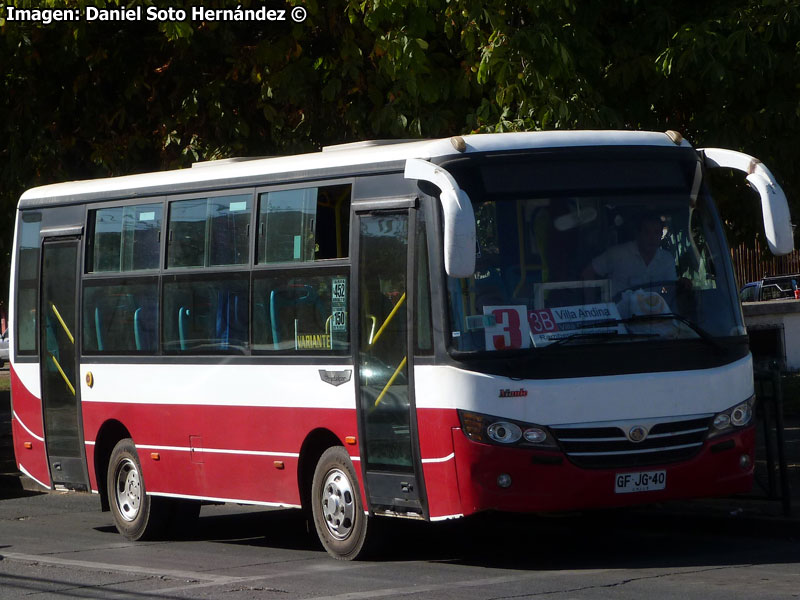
339,516
137,516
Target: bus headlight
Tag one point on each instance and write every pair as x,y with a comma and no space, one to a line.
734,418
742,414
504,432
535,435
722,421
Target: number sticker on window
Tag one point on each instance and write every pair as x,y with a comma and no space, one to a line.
339,304
339,291
511,329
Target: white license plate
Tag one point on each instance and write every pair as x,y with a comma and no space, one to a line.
644,481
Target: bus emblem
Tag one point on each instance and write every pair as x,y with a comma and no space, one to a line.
335,377
637,434
520,393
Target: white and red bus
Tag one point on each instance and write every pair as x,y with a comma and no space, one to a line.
423,329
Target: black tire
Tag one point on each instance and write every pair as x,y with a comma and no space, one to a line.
137,516
336,505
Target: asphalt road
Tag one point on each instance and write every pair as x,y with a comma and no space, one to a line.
62,546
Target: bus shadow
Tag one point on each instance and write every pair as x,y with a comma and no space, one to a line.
630,538
282,529
11,487
634,538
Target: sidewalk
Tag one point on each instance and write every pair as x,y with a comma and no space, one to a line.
754,505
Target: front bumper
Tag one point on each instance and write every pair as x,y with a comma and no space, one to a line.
547,481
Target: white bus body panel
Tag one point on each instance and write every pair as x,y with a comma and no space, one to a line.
588,400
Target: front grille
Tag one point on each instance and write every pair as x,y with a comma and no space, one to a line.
610,448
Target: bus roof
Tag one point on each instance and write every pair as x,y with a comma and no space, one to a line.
361,154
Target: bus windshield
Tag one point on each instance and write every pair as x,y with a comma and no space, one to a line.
607,245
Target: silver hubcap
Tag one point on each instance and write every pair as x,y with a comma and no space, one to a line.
129,490
338,504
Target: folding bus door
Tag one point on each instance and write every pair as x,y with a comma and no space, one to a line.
384,356
58,344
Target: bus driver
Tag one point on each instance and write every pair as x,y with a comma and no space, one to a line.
636,263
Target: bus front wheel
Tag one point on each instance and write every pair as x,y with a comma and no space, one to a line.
136,515
339,516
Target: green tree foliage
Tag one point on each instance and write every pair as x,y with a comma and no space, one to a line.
89,99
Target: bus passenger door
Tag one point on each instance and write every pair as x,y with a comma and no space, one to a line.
58,359
384,355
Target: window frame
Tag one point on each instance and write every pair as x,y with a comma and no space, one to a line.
259,190
88,243
151,277
208,276
252,269
207,195
20,285
313,270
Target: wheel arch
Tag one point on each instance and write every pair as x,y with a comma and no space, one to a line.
316,442
111,432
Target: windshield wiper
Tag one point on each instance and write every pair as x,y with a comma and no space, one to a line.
599,335
704,335
701,333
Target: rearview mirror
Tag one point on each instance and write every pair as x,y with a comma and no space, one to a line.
774,207
459,218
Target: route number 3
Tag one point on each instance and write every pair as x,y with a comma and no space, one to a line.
511,329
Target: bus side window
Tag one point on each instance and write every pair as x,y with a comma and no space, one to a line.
28,282
120,318
303,224
296,311
300,313
206,315
211,231
229,230
187,233
286,226
124,238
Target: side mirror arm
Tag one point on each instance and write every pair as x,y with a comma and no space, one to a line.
459,218
774,207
